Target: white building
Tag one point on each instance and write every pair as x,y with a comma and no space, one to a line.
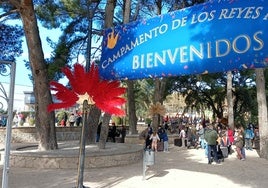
22,97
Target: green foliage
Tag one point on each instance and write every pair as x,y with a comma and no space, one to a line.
143,96
209,92
71,16
117,120
31,121
148,121
10,41
60,115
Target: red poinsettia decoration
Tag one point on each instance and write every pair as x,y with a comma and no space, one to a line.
106,95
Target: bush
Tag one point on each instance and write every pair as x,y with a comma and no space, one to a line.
148,121
60,115
31,121
117,120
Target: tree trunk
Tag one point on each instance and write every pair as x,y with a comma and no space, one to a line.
104,131
45,122
262,113
160,85
230,100
131,107
109,13
91,128
130,84
108,22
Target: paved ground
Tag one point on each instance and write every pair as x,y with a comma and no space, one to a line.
177,168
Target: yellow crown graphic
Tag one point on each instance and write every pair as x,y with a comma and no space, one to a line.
112,40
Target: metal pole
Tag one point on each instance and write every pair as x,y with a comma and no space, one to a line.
91,11
81,167
89,35
80,178
143,165
9,126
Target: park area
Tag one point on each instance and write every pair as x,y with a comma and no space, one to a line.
92,64
176,168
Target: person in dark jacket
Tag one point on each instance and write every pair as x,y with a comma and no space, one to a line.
211,137
165,140
113,132
123,133
98,132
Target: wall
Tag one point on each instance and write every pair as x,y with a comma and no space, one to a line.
28,134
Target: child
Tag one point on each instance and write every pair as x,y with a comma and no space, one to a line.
155,138
239,144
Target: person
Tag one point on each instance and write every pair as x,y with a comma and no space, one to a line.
16,120
201,133
252,127
98,132
154,138
239,144
165,140
230,134
211,137
72,120
205,127
224,140
243,150
78,120
62,123
160,132
182,135
113,132
249,135
65,117
166,126
150,129
191,137
256,138
225,144
145,135
123,133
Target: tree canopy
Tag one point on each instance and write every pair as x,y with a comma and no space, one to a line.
10,41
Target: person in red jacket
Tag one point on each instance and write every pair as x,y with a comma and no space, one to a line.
230,134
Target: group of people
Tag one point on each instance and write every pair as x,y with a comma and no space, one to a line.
223,140
218,140
156,140
18,119
113,132
70,120
244,139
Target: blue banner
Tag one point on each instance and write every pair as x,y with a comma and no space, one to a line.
216,36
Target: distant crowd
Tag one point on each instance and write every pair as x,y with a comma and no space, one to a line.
216,138
70,120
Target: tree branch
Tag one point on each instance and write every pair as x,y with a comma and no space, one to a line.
9,13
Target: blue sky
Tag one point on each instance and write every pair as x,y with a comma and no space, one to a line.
22,81
21,71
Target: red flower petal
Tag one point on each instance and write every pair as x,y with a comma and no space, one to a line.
67,96
105,94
